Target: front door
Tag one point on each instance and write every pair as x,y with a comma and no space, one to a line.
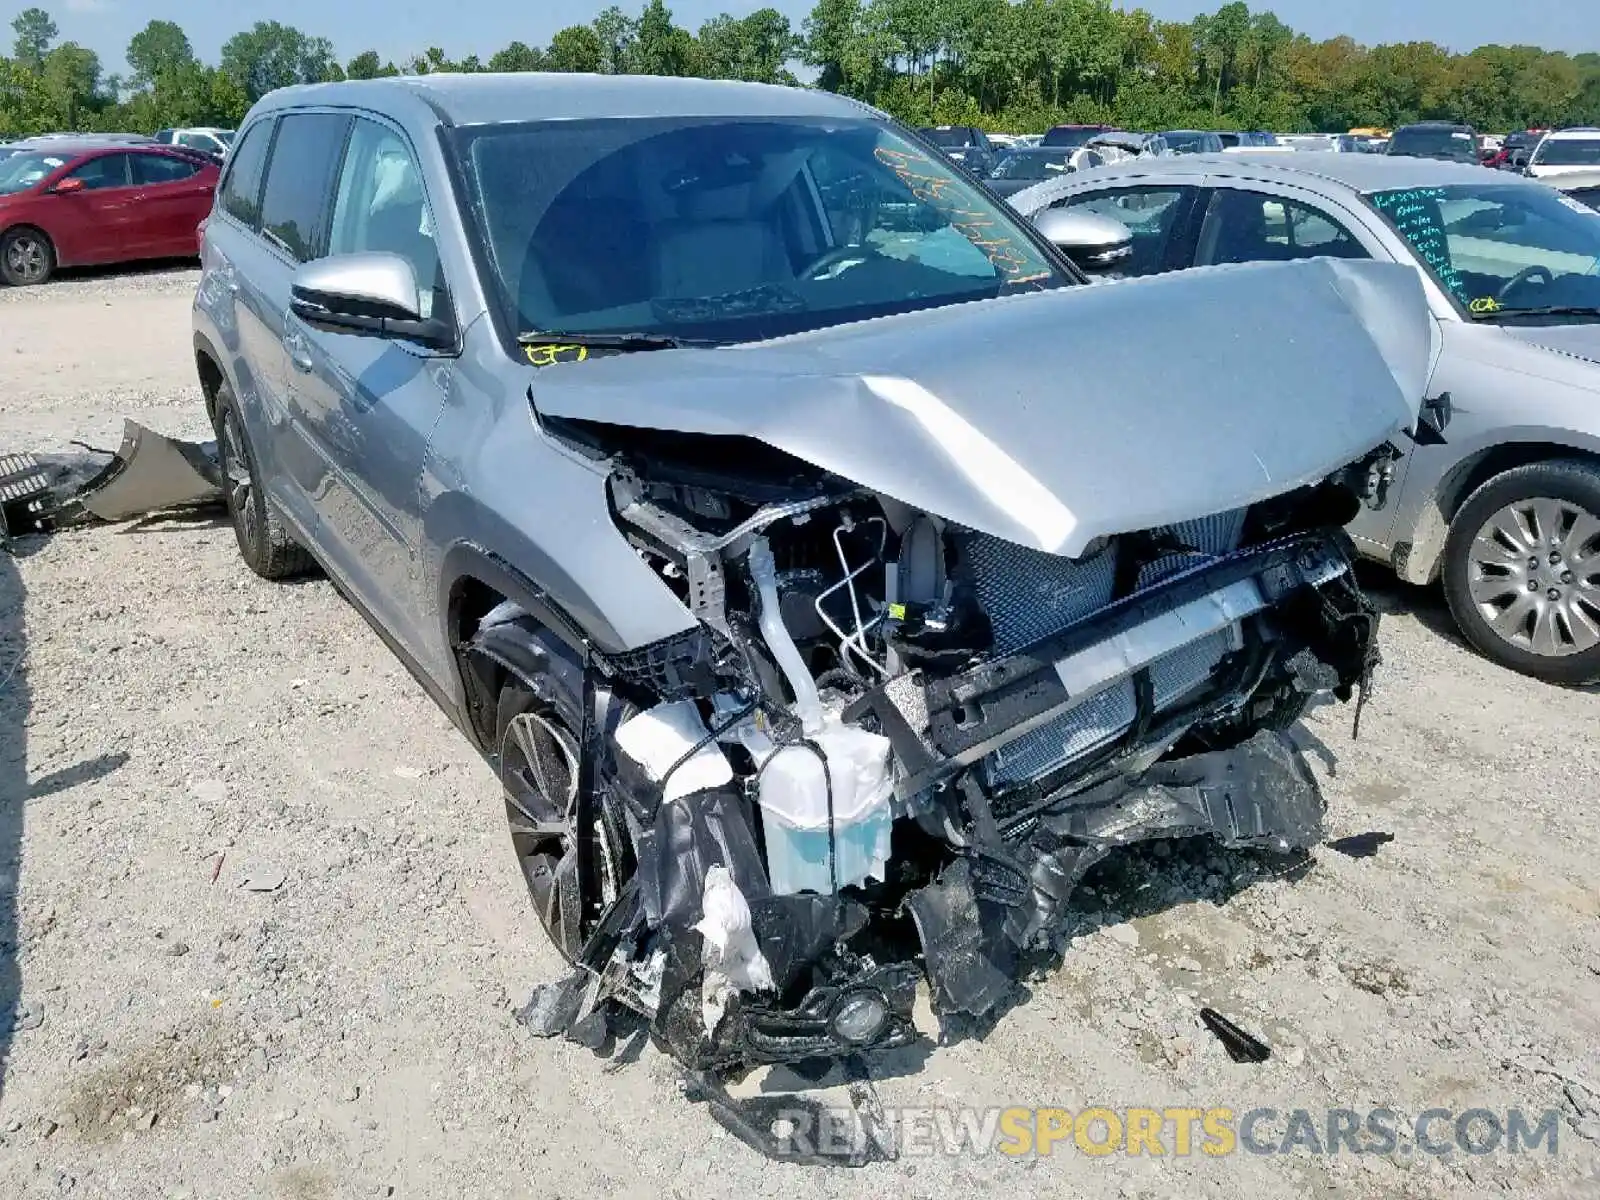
366,405
106,213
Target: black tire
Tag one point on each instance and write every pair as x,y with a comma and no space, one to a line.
1526,596
538,716
27,256
265,543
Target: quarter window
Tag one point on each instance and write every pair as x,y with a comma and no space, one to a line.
241,190
294,206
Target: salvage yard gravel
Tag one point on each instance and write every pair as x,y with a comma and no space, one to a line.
261,933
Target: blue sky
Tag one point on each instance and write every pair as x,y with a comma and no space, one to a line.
397,28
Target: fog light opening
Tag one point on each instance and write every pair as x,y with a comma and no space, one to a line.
860,1018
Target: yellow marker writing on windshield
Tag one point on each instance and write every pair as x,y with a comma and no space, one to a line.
1485,304
548,356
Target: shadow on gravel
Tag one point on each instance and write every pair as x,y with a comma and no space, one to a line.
1426,603
14,699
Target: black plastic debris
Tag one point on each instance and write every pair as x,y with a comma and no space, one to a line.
1361,845
1241,1046
24,494
553,1007
800,1129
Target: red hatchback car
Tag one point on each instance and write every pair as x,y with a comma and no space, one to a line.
73,205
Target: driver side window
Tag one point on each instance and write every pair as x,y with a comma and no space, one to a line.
380,206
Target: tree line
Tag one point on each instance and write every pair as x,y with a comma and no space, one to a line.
1014,65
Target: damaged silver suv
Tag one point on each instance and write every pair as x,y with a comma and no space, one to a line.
756,493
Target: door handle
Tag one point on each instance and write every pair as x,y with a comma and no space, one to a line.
299,353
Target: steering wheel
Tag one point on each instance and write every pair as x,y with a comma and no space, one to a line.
831,258
1522,277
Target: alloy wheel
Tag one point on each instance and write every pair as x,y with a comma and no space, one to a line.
27,258
539,772
240,484
1534,575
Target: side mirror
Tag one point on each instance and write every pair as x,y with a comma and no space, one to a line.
1092,241
371,294
67,186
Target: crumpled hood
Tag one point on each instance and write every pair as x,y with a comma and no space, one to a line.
1580,341
1053,418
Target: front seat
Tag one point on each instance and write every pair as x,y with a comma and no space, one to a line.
694,259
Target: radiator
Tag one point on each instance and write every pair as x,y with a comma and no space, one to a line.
1029,594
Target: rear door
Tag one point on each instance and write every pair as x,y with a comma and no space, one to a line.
245,288
104,213
295,203
367,406
174,196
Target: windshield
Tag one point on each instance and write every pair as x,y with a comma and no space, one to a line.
1033,164
1185,143
1587,195
23,170
732,229
1435,143
949,139
1568,152
226,137
1500,248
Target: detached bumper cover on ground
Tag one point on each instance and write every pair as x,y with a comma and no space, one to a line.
148,473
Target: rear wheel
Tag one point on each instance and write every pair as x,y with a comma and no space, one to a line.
26,257
1522,570
264,540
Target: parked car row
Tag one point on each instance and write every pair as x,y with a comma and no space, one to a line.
90,199
69,203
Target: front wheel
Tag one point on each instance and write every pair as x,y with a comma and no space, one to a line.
26,257
1522,570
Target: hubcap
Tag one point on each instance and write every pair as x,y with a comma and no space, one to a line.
241,488
26,258
1533,575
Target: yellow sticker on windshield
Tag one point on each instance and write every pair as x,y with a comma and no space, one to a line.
549,356
1485,304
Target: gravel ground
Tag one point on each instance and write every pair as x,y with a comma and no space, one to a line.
182,734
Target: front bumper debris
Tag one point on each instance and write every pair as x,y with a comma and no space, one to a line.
148,473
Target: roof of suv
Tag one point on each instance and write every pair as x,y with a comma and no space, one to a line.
1363,172
484,99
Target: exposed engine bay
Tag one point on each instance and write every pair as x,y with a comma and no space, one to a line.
893,746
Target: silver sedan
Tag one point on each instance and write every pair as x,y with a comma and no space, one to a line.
1505,507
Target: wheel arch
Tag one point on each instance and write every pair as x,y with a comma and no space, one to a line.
498,621
1420,559
208,365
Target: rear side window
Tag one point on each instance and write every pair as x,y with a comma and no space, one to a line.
1155,216
299,192
107,171
241,191
162,168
